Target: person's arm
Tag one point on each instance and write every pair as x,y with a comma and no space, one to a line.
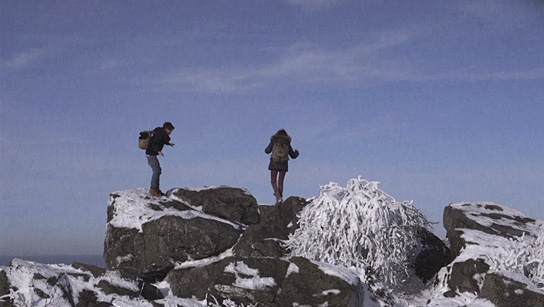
268,148
293,153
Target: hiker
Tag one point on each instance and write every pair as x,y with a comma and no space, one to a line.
280,149
161,137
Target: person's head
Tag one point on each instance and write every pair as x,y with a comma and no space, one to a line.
168,127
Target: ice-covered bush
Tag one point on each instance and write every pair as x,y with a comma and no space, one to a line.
358,226
536,272
524,256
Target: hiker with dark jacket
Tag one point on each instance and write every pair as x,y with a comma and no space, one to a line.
160,137
280,149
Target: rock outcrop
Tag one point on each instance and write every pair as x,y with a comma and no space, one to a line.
486,240
156,233
276,223
485,217
217,247
235,205
64,285
215,223
269,282
147,240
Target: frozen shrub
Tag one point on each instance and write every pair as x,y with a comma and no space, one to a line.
358,226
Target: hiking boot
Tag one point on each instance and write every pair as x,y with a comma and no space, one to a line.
155,192
279,199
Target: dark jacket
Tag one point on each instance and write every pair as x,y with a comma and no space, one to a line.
158,140
284,139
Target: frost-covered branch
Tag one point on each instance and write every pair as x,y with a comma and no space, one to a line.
358,226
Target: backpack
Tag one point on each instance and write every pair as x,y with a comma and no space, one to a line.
280,152
144,139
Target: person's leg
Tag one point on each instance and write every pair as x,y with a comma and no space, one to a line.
274,180
280,182
153,161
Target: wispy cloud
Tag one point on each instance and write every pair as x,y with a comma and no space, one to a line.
501,14
24,59
109,64
373,62
313,5
304,63
530,74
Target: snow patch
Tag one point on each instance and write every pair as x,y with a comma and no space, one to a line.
293,268
248,278
133,208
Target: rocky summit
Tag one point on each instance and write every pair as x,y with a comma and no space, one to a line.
216,246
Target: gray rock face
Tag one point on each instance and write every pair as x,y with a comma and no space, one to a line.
4,284
504,291
465,275
156,233
232,204
473,215
433,256
276,223
268,282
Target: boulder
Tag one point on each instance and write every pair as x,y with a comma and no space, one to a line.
276,223
284,215
147,281
433,255
269,282
505,289
486,217
261,241
465,275
233,204
319,284
5,285
482,235
148,234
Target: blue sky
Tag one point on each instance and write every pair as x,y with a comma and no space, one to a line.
440,101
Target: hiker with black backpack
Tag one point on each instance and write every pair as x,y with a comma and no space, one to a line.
160,136
280,150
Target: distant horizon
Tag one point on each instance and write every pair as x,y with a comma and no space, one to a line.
96,259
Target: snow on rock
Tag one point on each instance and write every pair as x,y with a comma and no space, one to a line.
35,284
133,208
486,217
42,285
248,278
